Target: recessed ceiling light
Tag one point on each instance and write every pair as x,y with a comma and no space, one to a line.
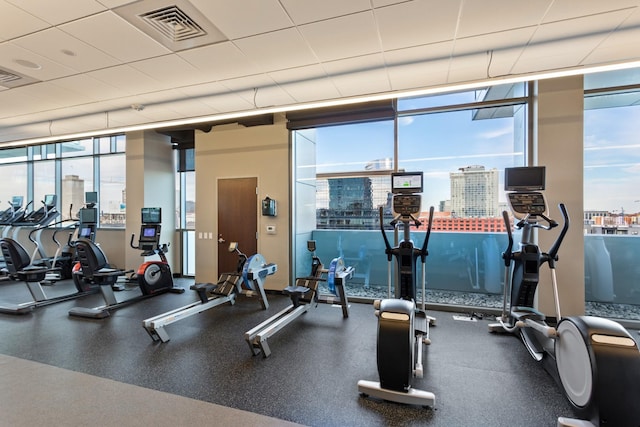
27,64
68,52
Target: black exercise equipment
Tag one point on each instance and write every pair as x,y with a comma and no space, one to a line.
19,267
210,295
403,327
153,277
595,360
305,294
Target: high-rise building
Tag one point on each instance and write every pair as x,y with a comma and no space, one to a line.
474,192
72,195
350,202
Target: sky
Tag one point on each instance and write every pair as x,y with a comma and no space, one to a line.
442,143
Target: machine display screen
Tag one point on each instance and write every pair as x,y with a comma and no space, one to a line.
151,215
85,232
149,232
16,201
50,200
524,178
88,215
406,182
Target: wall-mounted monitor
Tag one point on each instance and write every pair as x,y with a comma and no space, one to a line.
529,178
151,215
406,182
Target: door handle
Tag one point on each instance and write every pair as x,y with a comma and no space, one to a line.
221,239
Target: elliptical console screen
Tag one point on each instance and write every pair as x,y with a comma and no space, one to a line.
524,178
151,215
16,202
406,182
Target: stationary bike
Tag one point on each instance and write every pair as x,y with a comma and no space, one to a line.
595,360
153,277
403,328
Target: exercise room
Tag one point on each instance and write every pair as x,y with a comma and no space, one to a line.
270,212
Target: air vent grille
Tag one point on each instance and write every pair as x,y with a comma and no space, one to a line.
173,24
6,76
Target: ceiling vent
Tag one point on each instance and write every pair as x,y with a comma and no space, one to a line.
178,25
11,79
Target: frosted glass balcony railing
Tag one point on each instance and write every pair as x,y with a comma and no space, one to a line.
467,268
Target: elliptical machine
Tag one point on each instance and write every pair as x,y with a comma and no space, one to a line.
590,357
403,327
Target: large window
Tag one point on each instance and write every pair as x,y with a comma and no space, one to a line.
461,142
68,170
611,199
186,211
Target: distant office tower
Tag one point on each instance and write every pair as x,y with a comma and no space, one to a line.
72,195
474,192
348,203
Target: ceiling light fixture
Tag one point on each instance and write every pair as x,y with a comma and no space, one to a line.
320,104
27,64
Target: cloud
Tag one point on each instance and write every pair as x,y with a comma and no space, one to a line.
405,120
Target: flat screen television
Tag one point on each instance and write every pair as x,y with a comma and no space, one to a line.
406,182
151,215
528,178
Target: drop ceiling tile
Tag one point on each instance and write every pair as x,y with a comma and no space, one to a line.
220,61
11,57
93,88
416,23
490,16
580,28
343,37
15,22
470,67
171,71
306,84
54,14
66,50
498,41
205,89
111,34
277,50
418,74
306,12
127,79
260,90
54,96
419,54
246,18
619,46
566,9
227,102
359,76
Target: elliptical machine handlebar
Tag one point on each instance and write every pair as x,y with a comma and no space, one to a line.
424,251
553,252
506,255
388,249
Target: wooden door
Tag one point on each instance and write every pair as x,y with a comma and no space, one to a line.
237,220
